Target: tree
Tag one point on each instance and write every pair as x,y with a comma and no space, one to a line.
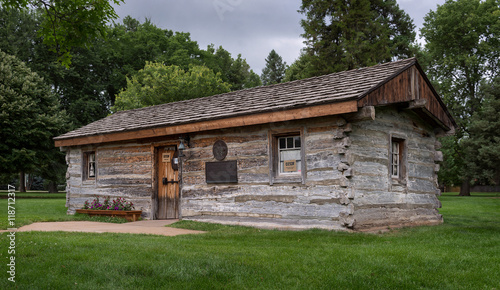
158,84
342,35
274,72
236,72
69,24
81,88
463,49
30,116
483,143
301,68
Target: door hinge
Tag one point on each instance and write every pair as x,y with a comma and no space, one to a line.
166,181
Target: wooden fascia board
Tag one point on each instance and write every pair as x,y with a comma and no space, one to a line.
246,120
439,99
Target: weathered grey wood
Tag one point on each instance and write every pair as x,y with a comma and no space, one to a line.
364,114
347,180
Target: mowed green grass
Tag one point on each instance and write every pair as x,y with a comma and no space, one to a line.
463,253
33,207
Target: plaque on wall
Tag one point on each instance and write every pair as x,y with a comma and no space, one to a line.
165,157
220,150
221,172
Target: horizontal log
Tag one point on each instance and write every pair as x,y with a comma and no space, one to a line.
265,198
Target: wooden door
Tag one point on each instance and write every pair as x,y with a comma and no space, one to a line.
168,184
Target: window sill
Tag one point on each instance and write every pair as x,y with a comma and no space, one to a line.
397,181
89,181
288,179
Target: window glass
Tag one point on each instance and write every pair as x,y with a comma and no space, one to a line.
396,156
91,159
89,165
282,142
289,154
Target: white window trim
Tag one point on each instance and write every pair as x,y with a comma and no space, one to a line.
275,176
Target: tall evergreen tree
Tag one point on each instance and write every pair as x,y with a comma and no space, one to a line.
274,72
342,35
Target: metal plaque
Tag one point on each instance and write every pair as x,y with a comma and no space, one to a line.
220,150
221,172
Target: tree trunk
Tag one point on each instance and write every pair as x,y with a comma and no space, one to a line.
465,188
52,187
29,182
22,182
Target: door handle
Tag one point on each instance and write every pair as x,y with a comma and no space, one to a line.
166,181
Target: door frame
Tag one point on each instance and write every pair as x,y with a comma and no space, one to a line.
154,180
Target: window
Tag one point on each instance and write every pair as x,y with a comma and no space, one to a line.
89,162
397,158
396,161
286,156
289,154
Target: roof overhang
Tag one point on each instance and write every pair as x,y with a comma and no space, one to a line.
232,122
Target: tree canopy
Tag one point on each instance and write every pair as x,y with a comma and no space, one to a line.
30,116
69,24
158,84
462,51
342,35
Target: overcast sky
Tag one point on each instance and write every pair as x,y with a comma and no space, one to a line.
252,27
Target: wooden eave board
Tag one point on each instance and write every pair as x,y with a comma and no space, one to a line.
255,119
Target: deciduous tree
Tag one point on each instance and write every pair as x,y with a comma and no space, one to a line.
69,24
29,117
158,84
482,145
463,49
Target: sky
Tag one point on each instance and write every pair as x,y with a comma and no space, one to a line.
251,28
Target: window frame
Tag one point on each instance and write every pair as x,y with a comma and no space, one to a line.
275,174
86,165
401,165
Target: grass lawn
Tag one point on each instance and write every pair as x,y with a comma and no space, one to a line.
42,207
34,194
463,253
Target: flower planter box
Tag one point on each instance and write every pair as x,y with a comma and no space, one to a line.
130,215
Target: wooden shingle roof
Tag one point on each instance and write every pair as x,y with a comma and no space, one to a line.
334,88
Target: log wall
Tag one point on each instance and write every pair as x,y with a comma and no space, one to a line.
320,200
379,200
123,170
346,183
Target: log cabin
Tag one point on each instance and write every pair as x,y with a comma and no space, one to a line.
354,150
